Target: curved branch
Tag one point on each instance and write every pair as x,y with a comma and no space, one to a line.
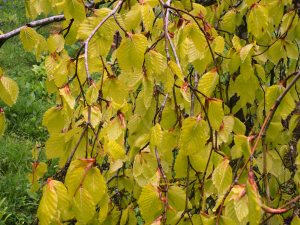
262,132
36,23
280,210
86,43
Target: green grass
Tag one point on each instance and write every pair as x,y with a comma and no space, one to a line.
24,126
15,155
24,118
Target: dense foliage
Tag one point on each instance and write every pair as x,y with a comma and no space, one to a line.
176,112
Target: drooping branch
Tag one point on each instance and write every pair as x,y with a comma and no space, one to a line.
166,33
86,47
262,132
36,23
200,28
86,43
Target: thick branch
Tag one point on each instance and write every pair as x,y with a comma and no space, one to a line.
36,23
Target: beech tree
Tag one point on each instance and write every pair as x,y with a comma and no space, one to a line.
168,112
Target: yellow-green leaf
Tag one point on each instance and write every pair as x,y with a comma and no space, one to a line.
208,82
95,184
194,134
130,54
245,51
222,176
150,204
74,9
147,16
155,135
47,210
56,43
215,113
254,203
176,70
9,90
219,44
84,206
257,21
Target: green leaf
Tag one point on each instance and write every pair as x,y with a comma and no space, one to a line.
115,150
222,177
239,126
9,90
194,134
176,70
176,198
276,52
133,17
47,210
208,83
63,200
286,106
84,206
219,44
56,43
30,38
144,168
198,161
74,9
150,204
95,184
296,221
288,22
228,21
226,128
54,119
215,113
236,42
67,96
130,54
147,16
253,205
291,50
245,86
92,94
181,164
245,51
241,208
114,90
156,63
257,21
241,147
197,37
155,135
103,204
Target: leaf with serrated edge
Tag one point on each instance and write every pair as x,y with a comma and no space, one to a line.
47,210
150,204
222,176
9,90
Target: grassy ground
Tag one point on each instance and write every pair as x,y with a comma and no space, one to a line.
24,127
